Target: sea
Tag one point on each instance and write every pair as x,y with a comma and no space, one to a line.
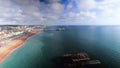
99,42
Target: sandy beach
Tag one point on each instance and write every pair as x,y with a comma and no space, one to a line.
6,50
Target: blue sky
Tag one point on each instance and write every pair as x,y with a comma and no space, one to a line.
60,12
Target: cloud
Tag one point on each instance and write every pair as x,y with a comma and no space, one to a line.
56,8
86,4
8,12
36,12
53,1
59,12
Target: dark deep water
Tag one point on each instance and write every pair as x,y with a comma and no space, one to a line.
100,42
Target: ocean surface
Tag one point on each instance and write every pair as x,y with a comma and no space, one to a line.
100,42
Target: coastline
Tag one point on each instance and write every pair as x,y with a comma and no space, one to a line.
6,50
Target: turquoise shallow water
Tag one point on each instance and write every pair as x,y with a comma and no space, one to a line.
22,57
100,42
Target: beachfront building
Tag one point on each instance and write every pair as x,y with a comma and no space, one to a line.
9,33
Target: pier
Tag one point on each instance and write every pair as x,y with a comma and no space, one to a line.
79,60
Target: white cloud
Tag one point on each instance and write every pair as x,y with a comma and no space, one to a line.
55,8
86,4
53,12
109,12
70,4
53,1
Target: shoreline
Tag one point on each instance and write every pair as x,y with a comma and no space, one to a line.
6,50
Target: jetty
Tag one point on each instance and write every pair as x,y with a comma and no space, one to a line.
60,29
79,60
54,29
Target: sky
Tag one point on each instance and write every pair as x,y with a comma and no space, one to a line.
59,12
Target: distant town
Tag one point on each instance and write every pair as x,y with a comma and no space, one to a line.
10,33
